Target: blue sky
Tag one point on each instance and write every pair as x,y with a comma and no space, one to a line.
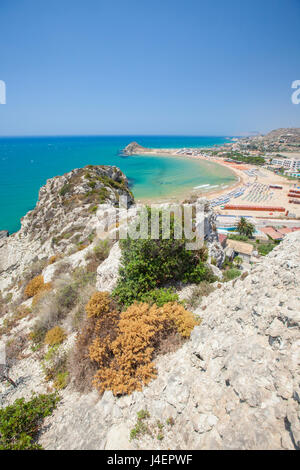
148,66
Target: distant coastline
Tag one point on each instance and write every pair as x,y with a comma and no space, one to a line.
206,190
26,163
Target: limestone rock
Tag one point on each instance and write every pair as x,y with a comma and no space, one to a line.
4,233
70,209
233,385
107,272
133,148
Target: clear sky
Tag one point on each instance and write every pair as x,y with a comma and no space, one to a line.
210,67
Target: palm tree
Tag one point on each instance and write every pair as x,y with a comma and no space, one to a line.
242,226
245,228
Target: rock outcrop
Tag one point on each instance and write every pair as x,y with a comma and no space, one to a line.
69,210
108,271
234,385
134,148
4,233
215,250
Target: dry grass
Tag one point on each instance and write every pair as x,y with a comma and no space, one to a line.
201,290
80,366
55,336
35,286
14,349
126,343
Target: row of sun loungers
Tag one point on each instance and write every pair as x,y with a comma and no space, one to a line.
225,198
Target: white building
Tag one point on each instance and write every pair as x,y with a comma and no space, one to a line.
287,163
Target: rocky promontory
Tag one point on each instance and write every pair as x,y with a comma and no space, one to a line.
66,217
134,148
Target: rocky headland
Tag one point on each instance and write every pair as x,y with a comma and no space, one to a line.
233,385
134,148
65,218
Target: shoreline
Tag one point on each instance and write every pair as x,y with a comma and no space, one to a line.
241,178
257,183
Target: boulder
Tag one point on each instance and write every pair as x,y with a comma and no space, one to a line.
4,234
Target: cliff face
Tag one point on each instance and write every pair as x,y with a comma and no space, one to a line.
66,214
234,385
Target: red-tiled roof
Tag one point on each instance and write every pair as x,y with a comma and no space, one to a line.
272,233
222,238
284,230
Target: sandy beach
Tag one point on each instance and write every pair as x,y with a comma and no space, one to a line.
241,177
258,183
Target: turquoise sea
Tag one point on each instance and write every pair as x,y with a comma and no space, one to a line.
26,163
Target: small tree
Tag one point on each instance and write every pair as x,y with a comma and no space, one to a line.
238,261
245,228
148,264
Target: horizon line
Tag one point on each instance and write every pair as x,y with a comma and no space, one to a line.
121,135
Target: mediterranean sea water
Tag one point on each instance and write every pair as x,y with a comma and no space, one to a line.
26,163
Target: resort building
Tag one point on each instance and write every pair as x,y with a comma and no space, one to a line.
237,248
292,164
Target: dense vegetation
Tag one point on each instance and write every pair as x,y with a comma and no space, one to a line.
265,248
20,422
125,343
252,160
115,350
245,228
231,274
241,238
149,264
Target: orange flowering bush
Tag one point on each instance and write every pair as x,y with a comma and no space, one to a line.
54,258
98,304
183,320
55,336
125,352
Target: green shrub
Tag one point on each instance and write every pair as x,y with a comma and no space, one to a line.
227,263
148,264
159,296
242,238
61,380
54,365
99,253
65,189
20,422
231,274
265,249
201,290
141,427
67,296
